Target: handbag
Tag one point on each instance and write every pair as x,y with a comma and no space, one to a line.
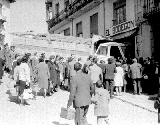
68,114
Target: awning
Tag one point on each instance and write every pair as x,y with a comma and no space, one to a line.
125,34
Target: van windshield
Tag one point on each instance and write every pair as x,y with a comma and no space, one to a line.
103,50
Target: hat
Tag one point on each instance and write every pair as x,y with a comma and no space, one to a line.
51,57
77,66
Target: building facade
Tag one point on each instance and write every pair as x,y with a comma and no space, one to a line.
148,37
5,21
125,21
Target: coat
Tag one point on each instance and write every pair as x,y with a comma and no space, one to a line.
110,69
81,90
101,100
43,75
135,71
53,73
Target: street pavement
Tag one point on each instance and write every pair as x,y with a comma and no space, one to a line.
46,111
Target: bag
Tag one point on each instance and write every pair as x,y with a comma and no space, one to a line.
27,94
157,104
68,114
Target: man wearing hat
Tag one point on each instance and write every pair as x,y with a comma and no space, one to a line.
80,94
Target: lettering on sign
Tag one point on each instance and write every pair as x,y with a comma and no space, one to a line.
120,28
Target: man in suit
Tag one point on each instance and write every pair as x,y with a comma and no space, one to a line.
110,69
135,71
80,94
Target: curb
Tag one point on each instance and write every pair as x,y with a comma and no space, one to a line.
136,105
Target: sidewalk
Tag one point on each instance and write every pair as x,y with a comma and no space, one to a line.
141,101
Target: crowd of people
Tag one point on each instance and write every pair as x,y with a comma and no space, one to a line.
88,82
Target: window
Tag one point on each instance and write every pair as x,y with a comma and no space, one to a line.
49,11
115,52
66,3
119,12
57,9
94,24
67,32
79,32
103,50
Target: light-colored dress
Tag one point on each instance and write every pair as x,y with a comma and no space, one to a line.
43,75
118,79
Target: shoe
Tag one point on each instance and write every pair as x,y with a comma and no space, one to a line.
26,103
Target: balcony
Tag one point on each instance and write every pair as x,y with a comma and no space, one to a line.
151,8
75,9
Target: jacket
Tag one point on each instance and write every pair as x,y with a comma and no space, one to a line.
81,90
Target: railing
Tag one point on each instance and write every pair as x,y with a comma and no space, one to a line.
151,7
71,9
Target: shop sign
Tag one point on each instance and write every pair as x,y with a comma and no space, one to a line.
126,26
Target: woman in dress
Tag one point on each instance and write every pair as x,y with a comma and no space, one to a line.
118,79
43,75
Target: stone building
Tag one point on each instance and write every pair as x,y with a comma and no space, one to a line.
125,21
148,37
5,21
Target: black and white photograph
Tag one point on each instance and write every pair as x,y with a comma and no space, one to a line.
79,62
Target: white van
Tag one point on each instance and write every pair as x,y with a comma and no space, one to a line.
109,49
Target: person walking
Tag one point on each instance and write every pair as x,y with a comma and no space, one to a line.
34,63
53,74
101,101
110,69
23,78
96,72
80,94
1,67
43,75
118,79
135,71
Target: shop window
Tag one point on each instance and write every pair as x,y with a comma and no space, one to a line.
57,9
115,52
79,32
67,32
119,12
94,24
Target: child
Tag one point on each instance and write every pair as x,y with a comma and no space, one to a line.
101,101
118,79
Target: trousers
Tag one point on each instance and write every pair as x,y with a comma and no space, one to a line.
109,86
80,115
137,84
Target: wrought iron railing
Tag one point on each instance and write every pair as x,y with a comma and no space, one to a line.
151,7
70,10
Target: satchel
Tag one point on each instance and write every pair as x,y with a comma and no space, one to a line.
68,114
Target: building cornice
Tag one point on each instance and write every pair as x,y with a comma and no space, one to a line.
12,1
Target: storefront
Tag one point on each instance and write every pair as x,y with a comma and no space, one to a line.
125,33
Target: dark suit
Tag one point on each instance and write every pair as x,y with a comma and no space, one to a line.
80,94
110,69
